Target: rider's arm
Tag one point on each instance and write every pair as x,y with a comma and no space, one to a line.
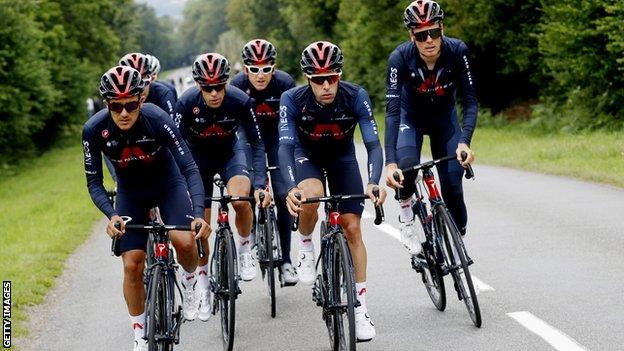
468,94
169,100
394,86
93,170
368,127
179,111
182,155
287,135
252,131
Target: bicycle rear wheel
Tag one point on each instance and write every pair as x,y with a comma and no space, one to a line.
460,272
158,318
433,279
227,289
343,295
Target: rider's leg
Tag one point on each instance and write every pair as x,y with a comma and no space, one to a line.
284,219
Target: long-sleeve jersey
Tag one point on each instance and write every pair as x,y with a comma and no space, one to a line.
162,96
266,102
427,97
327,130
212,132
150,152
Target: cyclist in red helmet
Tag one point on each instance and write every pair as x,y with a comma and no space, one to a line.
423,77
317,123
265,84
154,168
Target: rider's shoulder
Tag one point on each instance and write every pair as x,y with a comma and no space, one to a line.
240,80
283,79
236,95
191,94
455,45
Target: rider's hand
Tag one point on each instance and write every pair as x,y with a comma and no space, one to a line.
470,159
112,231
390,181
382,194
267,197
292,203
205,230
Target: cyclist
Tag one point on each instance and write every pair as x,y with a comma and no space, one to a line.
210,116
155,68
155,92
154,168
423,76
317,122
264,84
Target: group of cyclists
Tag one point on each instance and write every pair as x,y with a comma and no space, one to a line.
165,151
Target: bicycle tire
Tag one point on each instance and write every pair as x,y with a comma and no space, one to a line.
227,278
270,264
156,311
433,280
463,279
343,279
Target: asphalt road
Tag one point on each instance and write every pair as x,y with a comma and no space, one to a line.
547,251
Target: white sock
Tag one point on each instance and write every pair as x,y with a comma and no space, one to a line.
202,275
405,210
360,290
245,244
138,326
306,243
188,279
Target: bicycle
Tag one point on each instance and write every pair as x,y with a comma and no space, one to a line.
334,289
163,313
444,251
224,276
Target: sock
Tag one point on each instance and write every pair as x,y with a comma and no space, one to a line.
138,326
188,279
202,276
360,289
306,243
245,244
405,211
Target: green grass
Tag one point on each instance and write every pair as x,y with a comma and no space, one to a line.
46,213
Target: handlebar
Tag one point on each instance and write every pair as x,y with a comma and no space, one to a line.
425,165
295,225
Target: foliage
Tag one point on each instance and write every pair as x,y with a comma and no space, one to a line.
203,23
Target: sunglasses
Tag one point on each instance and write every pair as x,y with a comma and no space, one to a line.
118,107
321,79
434,33
210,88
257,70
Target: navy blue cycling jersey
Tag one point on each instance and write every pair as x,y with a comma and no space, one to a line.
266,101
151,152
427,97
161,96
172,89
212,132
327,130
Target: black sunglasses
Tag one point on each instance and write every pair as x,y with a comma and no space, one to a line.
434,33
118,107
320,80
211,88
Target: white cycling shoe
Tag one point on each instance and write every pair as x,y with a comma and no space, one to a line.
247,266
140,345
409,237
190,304
364,327
306,268
205,309
289,274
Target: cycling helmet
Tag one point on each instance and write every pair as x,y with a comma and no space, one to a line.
211,69
154,64
121,82
321,57
422,13
258,51
139,62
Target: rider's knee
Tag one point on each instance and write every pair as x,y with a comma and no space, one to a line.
241,206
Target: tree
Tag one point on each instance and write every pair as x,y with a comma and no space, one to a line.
204,21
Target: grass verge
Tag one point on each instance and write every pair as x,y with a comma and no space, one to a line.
46,213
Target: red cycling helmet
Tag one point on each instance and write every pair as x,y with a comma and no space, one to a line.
121,82
257,52
422,13
139,62
211,69
321,57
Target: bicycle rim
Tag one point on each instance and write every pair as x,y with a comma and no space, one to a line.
462,277
155,318
344,293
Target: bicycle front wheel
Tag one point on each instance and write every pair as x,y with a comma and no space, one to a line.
343,295
227,289
433,279
157,318
460,271
269,231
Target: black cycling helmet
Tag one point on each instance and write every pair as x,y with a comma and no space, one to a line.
422,13
258,51
321,57
211,69
121,82
139,62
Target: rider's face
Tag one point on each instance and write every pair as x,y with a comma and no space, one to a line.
123,118
258,77
324,87
428,46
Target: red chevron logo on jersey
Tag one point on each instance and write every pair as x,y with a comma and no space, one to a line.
213,130
431,84
264,110
132,153
327,130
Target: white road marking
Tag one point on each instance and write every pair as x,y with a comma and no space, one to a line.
480,286
556,338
